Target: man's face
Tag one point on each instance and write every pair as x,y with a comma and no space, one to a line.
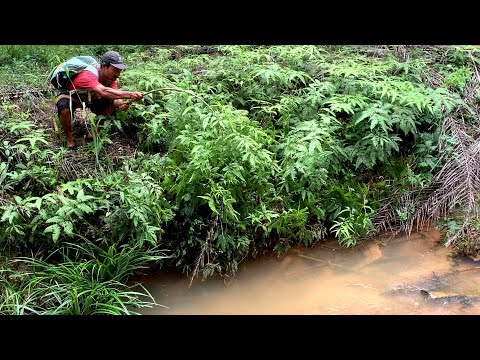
109,74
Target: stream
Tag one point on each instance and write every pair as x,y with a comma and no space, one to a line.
411,275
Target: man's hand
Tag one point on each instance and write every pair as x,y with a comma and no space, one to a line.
136,95
122,105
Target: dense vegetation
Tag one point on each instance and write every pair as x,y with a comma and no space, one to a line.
237,150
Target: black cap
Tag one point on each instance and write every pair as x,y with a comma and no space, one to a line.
113,58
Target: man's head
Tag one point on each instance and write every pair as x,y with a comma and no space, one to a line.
110,68
113,58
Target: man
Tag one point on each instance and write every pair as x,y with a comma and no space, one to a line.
97,90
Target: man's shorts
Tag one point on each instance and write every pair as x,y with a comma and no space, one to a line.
97,105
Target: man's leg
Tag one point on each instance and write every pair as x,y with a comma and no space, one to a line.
66,121
101,107
66,118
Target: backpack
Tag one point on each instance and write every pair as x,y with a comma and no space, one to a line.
64,73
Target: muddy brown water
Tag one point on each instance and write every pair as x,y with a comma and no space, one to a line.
405,275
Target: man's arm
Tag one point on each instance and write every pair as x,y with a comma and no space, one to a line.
112,94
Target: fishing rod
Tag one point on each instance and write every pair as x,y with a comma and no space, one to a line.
180,90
